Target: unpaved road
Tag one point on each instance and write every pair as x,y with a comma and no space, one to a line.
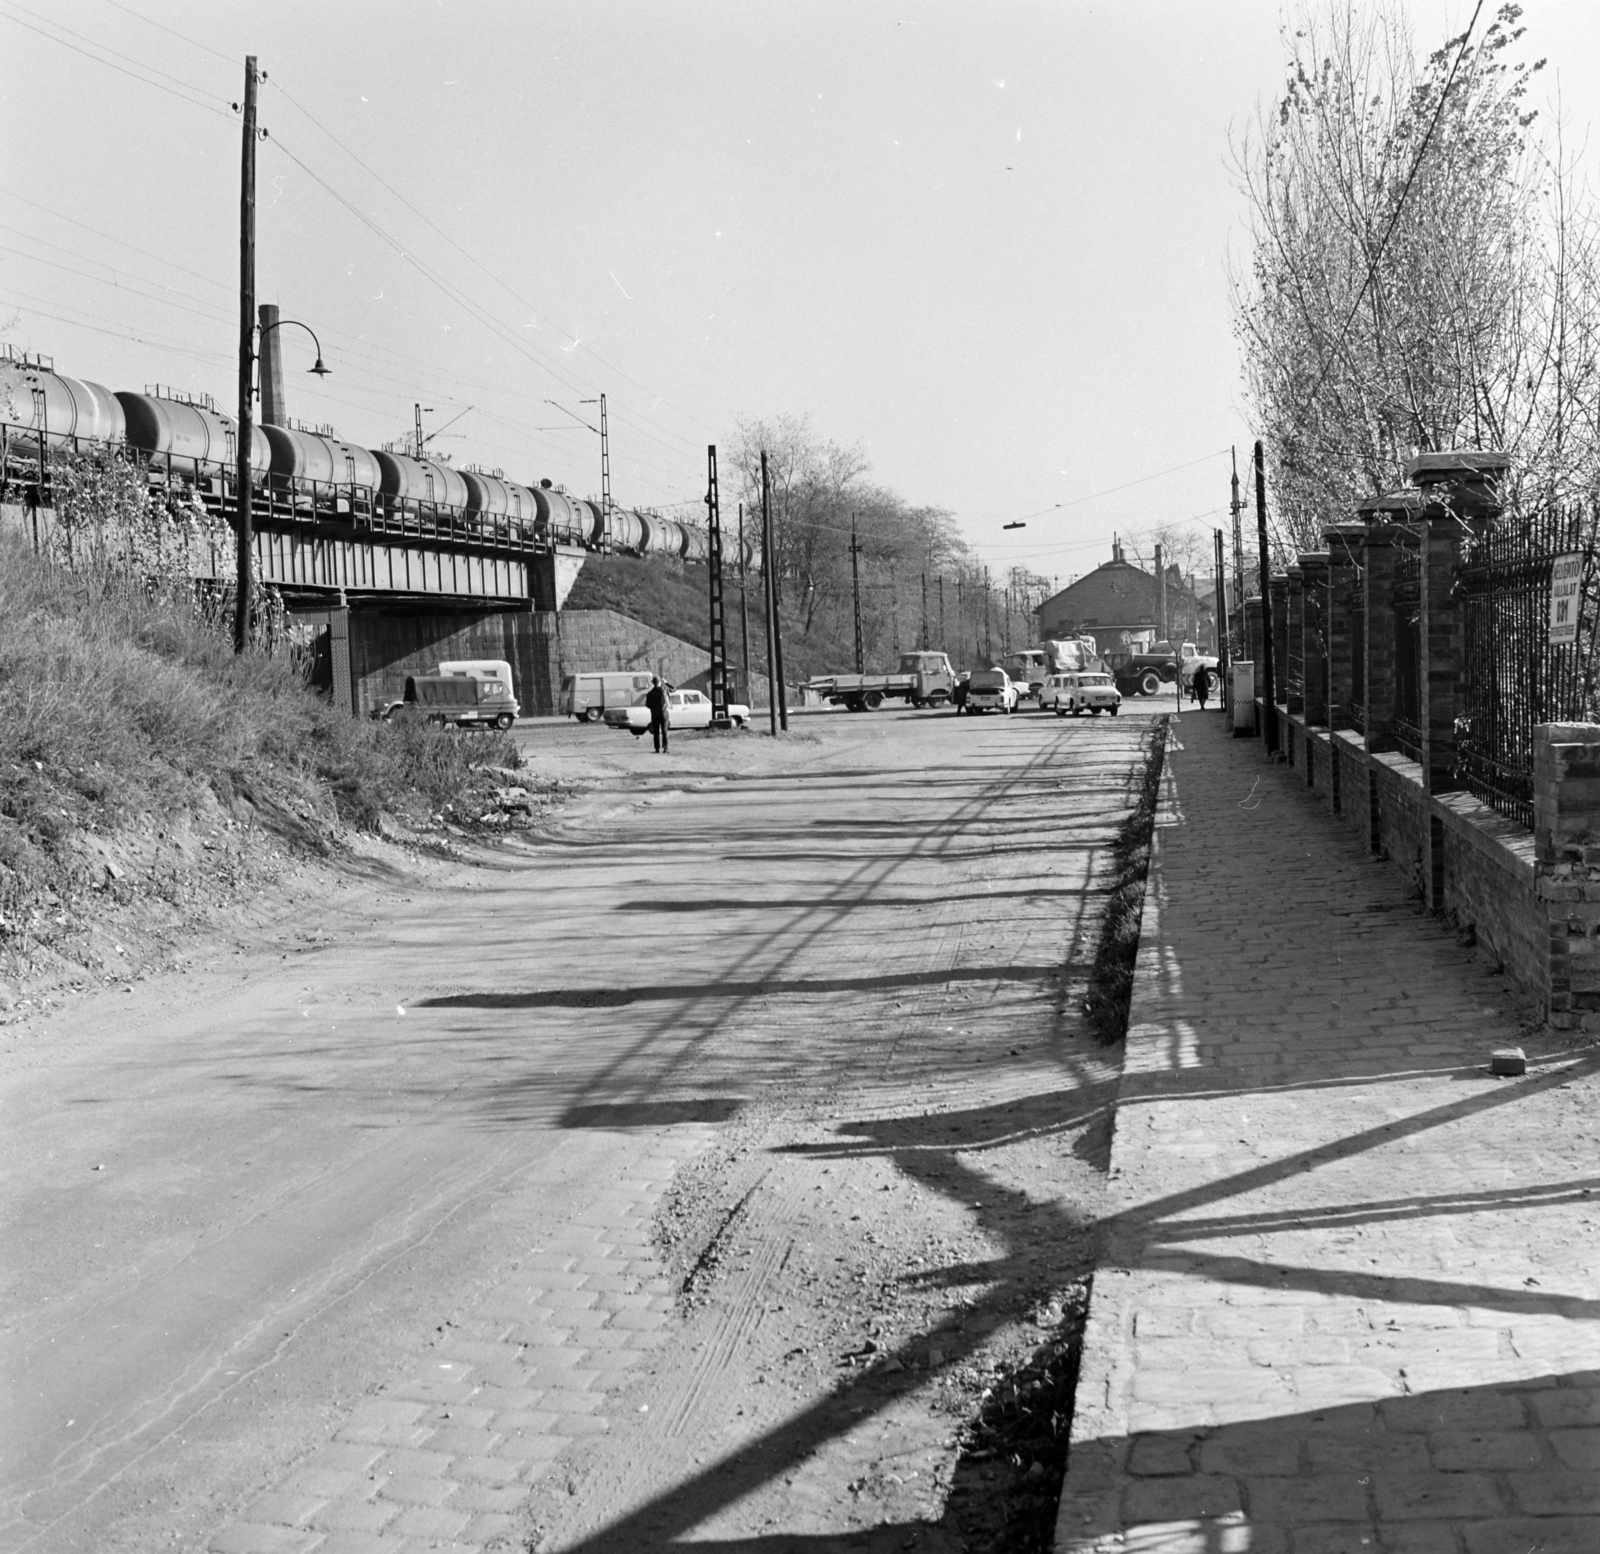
682,1176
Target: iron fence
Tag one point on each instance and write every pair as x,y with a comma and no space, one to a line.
1513,678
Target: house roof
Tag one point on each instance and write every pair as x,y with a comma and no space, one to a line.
1116,595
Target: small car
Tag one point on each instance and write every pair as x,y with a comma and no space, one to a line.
685,709
991,690
1083,691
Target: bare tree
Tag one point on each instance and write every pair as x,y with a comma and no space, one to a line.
1422,268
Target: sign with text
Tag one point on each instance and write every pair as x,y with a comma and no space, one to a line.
1566,596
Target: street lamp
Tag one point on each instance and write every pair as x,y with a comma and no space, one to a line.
250,358
279,323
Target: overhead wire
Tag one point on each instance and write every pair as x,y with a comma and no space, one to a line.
173,32
187,94
471,258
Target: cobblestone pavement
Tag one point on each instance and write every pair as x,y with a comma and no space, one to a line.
1350,1298
356,1254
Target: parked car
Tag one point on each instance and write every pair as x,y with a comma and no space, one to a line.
1093,693
991,690
685,709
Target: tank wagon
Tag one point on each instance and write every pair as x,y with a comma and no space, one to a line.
303,473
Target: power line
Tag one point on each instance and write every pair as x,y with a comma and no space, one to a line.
150,21
111,64
467,254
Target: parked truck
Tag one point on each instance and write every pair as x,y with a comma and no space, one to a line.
1029,668
922,680
1145,672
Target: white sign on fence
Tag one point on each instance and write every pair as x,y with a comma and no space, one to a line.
1566,584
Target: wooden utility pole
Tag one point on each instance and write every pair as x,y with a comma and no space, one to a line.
988,618
744,612
855,588
1266,689
244,526
778,711
1236,506
924,612
1219,616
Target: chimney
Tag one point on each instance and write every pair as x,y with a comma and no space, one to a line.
273,410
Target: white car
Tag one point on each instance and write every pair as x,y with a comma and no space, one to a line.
1083,691
685,709
991,690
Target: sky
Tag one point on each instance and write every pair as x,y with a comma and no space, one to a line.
991,243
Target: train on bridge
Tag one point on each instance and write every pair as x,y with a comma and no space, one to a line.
308,482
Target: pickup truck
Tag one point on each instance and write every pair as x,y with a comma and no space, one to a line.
1144,673
923,680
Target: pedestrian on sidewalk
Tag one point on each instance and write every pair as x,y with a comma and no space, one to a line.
656,700
1202,685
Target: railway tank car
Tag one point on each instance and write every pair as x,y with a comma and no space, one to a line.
559,517
191,437
627,530
36,399
660,536
409,485
503,506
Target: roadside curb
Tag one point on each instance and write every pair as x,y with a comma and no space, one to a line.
1087,1521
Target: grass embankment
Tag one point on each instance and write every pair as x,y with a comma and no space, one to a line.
1111,980
126,720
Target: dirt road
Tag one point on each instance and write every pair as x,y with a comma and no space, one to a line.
691,1173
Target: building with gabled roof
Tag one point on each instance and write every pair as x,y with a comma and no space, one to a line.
1119,605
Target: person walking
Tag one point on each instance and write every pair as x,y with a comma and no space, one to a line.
656,700
1202,685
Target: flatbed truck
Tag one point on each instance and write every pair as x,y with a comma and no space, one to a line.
922,680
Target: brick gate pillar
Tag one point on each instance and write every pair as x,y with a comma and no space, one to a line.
1314,651
1278,597
1566,836
1344,595
1379,676
1443,651
1252,635
1294,682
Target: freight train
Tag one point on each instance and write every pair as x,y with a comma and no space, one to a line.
189,447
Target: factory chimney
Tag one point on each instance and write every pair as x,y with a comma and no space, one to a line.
273,410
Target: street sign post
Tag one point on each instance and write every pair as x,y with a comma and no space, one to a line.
1566,584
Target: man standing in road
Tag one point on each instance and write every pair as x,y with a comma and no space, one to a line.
656,700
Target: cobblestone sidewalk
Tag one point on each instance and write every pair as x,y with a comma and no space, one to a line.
1350,1298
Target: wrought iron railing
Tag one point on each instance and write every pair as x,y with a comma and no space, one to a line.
1513,678
1407,737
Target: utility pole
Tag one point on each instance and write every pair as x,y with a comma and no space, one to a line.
941,608
417,443
924,612
605,483
988,617
1161,598
780,704
961,618
1268,690
894,608
1219,617
244,583
744,611
1236,506
719,645
855,588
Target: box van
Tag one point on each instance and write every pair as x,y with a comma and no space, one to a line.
481,669
586,696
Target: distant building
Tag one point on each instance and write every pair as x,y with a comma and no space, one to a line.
1119,605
